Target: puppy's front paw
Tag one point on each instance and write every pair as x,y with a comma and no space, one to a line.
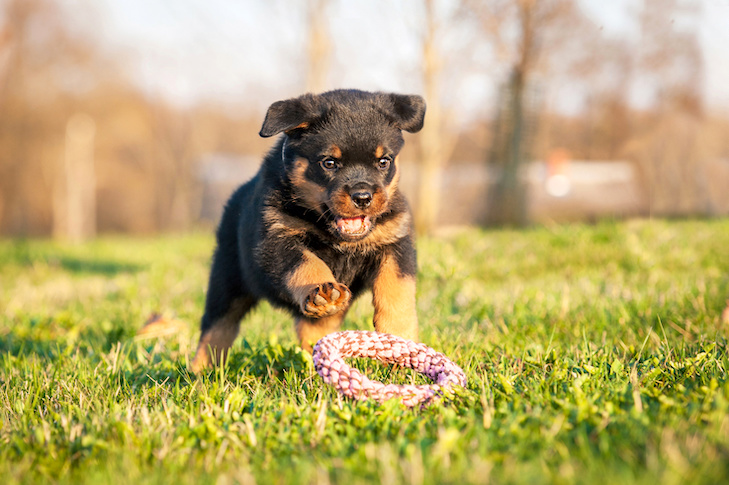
326,299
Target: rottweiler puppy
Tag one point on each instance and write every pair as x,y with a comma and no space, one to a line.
321,222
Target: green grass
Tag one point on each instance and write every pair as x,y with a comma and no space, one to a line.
595,354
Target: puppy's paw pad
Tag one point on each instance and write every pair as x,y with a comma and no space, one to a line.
326,299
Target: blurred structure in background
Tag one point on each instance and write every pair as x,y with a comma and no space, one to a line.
142,116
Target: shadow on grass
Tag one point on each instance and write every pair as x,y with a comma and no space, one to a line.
142,365
263,363
90,266
47,338
23,253
267,360
15,345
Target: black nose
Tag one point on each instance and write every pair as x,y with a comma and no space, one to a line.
362,199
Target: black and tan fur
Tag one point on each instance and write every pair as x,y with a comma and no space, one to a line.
321,222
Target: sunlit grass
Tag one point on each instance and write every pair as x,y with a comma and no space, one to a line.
594,354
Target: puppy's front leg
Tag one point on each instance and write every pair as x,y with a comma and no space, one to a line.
393,296
322,300
310,330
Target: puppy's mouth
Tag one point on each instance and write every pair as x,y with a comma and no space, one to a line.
353,227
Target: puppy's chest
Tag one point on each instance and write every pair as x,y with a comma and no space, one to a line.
353,270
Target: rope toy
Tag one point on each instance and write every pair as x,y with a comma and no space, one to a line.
330,351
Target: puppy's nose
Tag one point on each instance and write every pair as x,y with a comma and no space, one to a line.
362,199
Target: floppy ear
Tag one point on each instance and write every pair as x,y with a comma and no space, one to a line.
407,111
290,114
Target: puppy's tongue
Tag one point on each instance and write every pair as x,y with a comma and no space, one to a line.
353,225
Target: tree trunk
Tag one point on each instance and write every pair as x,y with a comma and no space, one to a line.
74,201
318,46
431,137
508,199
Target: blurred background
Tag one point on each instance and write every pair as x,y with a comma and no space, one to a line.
142,116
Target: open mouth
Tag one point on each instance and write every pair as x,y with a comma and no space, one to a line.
353,226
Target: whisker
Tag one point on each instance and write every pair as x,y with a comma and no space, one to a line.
323,214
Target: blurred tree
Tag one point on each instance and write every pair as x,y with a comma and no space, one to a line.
436,140
671,148
74,195
430,141
178,195
528,37
145,151
319,48
43,63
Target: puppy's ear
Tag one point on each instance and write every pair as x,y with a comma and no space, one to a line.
406,110
290,114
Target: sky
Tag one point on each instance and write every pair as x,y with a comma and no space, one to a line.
229,50
251,51
715,40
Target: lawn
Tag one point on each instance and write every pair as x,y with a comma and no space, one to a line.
594,354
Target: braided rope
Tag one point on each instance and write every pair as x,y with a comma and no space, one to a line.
330,351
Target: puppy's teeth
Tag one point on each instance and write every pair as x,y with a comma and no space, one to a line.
319,300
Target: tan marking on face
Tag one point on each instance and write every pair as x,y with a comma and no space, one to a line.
393,296
309,194
342,205
392,187
335,151
311,272
310,331
380,199
379,151
217,340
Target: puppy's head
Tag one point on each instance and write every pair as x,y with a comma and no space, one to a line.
340,153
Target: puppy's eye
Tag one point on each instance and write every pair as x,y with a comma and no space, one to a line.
383,163
328,164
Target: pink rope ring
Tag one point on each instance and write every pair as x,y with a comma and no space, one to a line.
330,351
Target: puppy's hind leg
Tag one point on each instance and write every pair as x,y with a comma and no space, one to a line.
225,305
219,333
